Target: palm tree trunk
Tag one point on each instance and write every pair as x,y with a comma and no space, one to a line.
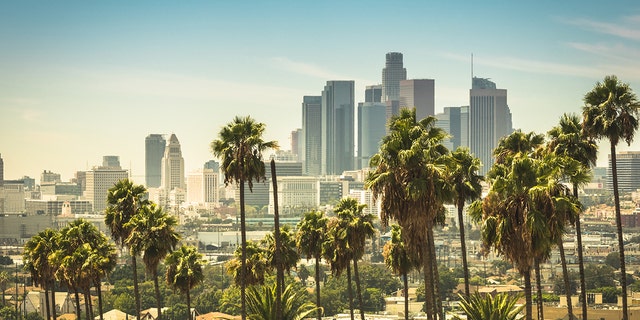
436,276
189,304
136,291
243,233
318,313
565,276
623,269
53,299
539,290
46,299
87,304
358,291
527,295
428,282
463,248
350,290
157,287
99,291
276,235
405,282
77,296
583,284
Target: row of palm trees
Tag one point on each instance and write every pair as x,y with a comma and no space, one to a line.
80,256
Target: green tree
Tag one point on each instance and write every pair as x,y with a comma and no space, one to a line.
568,139
559,285
399,261
184,271
154,236
261,303
208,301
255,267
409,181
463,176
612,260
611,112
178,311
303,274
337,253
36,260
488,307
240,146
124,200
5,279
309,239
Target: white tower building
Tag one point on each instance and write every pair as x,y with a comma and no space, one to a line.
172,165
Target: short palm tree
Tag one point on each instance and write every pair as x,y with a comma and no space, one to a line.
463,175
611,112
289,254
240,146
336,252
184,271
309,238
261,302
124,200
153,235
399,261
500,307
36,259
255,267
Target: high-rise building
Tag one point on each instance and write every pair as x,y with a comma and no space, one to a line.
392,73
312,134
371,129
172,165
489,120
98,181
451,121
48,177
628,165
212,164
111,161
296,143
373,93
338,141
1,171
419,94
202,186
259,197
154,146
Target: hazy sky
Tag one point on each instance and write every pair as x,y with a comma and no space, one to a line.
83,79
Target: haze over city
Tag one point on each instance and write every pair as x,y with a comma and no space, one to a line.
81,80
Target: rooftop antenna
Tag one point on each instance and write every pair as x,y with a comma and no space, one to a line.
472,69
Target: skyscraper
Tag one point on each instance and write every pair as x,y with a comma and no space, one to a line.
172,165
338,142
154,151
453,122
312,134
628,166
202,186
373,93
371,128
489,120
98,181
392,73
111,161
296,143
419,94
1,171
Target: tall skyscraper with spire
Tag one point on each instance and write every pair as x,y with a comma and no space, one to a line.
172,165
489,120
338,143
392,73
153,152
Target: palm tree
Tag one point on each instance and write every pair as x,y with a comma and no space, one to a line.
309,238
185,271
289,255
399,261
255,266
240,146
153,234
465,181
337,253
261,304
567,139
487,307
4,281
409,181
101,261
124,200
611,111
36,259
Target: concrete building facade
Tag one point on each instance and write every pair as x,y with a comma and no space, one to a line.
172,165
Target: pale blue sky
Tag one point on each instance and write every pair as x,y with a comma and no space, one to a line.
83,79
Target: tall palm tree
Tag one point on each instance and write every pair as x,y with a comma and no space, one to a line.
36,259
153,234
408,178
465,181
101,261
289,254
337,253
184,271
309,238
399,261
124,200
240,146
255,267
611,112
567,139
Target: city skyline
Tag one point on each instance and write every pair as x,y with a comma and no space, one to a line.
83,80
